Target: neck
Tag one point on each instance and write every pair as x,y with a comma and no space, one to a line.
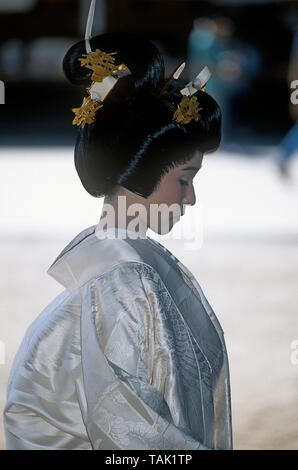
114,217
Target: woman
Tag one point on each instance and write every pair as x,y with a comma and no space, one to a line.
130,355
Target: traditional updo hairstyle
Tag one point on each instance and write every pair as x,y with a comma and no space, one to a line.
134,140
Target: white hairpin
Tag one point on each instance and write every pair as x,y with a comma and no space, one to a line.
175,75
89,26
199,82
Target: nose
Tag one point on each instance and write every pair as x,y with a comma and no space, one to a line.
190,198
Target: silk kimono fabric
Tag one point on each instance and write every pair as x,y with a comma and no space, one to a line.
130,355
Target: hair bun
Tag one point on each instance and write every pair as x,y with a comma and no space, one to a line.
139,54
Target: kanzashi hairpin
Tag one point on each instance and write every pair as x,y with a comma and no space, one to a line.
188,108
198,83
86,113
175,75
105,75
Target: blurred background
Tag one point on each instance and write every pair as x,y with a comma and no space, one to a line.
247,191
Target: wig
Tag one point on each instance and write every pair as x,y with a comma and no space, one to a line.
134,140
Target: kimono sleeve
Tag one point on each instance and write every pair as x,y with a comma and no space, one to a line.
124,410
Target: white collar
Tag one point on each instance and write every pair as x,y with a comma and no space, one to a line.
120,232
89,255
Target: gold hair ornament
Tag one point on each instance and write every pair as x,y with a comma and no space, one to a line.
105,76
188,108
86,113
101,63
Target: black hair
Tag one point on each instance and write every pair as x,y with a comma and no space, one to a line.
134,140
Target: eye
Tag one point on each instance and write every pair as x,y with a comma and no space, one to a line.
183,182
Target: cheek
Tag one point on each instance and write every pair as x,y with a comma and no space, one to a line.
169,191
171,195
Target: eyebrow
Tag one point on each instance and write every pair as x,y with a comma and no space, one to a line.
194,168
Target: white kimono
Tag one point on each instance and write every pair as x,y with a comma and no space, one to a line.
129,356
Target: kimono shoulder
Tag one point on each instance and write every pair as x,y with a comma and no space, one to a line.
87,257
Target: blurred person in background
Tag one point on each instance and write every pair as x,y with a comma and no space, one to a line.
233,63
289,144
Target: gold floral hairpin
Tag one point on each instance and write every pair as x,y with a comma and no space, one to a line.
86,113
188,108
101,63
105,76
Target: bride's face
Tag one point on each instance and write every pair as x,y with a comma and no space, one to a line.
173,193
163,208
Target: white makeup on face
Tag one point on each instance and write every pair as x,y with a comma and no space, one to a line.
174,192
176,187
